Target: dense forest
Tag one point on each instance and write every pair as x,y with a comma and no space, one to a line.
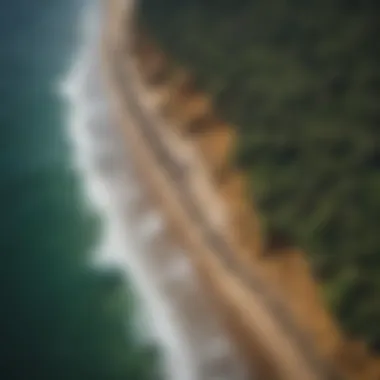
300,80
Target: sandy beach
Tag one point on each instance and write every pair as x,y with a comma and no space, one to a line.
264,332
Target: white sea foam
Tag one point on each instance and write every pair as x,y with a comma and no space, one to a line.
94,144
127,240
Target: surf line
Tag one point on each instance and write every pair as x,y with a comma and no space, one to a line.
110,189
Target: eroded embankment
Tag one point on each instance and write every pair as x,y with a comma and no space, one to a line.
178,182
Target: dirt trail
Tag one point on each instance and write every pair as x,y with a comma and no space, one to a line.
250,309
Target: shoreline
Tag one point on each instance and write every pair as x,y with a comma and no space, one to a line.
289,360
214,356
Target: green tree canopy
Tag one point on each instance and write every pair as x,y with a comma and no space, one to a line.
301,81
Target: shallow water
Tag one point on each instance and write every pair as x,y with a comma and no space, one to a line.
61,316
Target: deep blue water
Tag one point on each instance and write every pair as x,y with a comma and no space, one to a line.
58,319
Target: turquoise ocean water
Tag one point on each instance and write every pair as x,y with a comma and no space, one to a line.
59,319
